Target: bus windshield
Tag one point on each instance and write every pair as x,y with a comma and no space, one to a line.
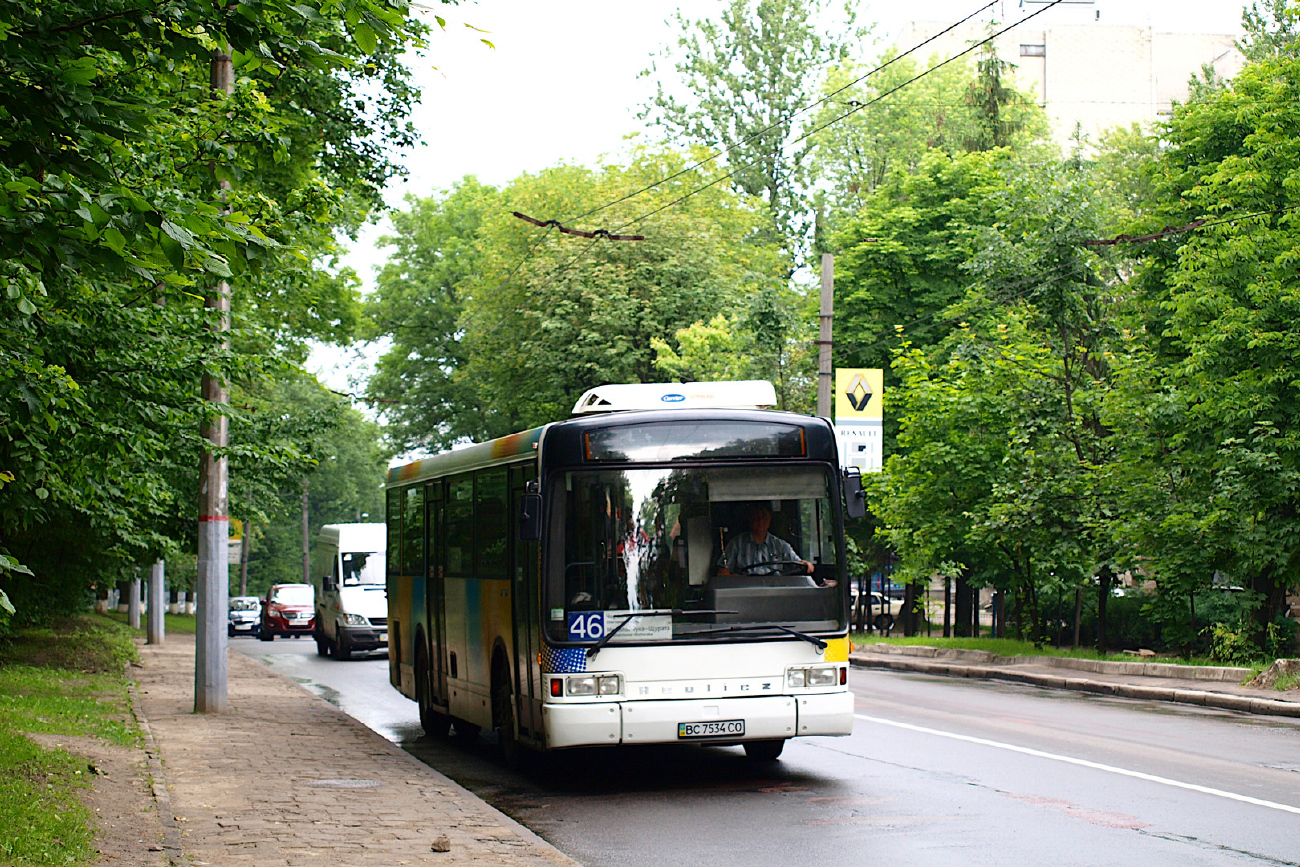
691,547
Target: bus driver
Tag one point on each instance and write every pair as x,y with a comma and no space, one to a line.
746,550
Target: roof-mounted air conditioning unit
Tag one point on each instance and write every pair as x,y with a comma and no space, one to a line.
747,394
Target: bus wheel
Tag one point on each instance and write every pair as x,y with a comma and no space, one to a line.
503,717
466,730
764,751
435,724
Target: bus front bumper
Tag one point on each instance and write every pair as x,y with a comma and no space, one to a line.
659,722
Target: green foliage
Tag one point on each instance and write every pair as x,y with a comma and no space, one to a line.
504,325
1272,29
750,75
1209,455
127,190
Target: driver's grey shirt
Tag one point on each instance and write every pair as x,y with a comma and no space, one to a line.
743,551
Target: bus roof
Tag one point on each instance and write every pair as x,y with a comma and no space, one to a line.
472,457
567,434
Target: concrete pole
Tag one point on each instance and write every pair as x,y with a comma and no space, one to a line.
212,587
157,603
133,603
824,373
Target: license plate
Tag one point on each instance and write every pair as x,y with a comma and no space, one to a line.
726,728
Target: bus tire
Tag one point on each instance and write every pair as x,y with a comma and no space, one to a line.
435,724
884,622
503,715
764,751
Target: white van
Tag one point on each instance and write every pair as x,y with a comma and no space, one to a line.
351,596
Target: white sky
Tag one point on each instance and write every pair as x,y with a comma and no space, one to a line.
561,85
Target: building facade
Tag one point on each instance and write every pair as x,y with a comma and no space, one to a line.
1087,75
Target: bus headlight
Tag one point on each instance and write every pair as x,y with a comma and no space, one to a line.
812,675
580,686
822,675
594,684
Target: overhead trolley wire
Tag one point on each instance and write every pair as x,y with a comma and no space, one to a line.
852,110
734,171
827,98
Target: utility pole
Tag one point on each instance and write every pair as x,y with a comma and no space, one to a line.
212,587
824,372
306,538
157,604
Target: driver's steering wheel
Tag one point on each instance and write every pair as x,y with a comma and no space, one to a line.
788,567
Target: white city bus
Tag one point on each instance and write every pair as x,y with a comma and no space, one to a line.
563,585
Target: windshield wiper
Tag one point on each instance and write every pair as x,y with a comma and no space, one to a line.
819,643
627,618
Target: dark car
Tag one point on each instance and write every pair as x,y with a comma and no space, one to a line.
289,609
245,616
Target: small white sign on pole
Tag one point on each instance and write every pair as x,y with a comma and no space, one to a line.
860,445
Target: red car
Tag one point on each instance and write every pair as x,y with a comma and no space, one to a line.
289,609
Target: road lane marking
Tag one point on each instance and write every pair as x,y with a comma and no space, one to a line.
1083,763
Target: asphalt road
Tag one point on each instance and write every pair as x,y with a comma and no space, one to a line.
936,772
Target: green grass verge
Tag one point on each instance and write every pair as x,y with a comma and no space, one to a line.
1013,647
64,680
173,624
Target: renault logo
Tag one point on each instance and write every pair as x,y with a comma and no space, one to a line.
858,393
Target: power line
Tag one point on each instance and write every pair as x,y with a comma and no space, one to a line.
851,111
728,149
828,97
733,172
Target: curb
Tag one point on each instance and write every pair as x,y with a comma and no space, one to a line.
1225,674
171,843
1220,700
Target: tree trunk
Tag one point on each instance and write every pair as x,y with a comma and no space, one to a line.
1078,614
947,607
909,609
1103,593
963,619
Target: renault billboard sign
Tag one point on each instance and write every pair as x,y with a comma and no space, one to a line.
859,416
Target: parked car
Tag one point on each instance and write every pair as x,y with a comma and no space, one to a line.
245,616
289,609
884,610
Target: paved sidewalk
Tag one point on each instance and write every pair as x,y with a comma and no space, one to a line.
1204,686
285,778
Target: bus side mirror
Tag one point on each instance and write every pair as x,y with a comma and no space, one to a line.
855,501
530,517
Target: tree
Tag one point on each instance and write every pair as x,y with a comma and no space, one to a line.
112,226
419,297
998,479
544,316
751,76
1271,31
1215,413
